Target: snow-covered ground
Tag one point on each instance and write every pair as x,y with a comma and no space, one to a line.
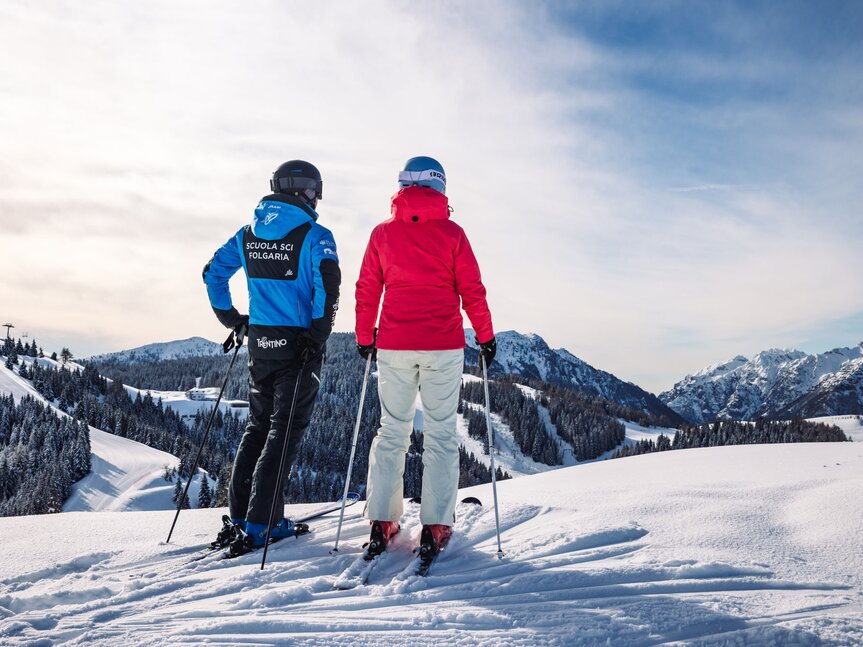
747,545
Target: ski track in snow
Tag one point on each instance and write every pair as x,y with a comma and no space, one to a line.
738,545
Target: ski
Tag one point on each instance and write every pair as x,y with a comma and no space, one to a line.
359,571
357,574
352,498
241,545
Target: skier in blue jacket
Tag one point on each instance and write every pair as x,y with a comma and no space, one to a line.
293,276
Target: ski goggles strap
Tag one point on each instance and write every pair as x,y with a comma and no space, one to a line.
412,177
297,184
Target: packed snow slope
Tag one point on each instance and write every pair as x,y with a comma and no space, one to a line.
746,545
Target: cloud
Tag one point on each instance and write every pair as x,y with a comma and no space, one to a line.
643,199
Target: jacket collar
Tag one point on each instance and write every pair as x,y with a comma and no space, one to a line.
289,199
419,204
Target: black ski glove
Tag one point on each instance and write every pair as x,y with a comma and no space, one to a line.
488,349
368,349
241,328
233,319
307,349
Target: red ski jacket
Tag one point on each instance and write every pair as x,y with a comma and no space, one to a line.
423,264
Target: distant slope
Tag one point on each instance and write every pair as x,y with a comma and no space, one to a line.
774,383
528,355
18,387
126,475
749,545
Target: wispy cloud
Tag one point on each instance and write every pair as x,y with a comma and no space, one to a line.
645,185
709,187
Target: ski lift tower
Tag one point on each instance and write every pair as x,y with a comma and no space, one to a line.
8,327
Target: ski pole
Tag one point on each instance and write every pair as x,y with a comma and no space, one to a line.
353,451
277,494
235,337
491,453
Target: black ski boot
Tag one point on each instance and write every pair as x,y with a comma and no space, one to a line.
227,534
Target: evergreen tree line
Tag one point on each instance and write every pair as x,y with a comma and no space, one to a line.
180,374
41,456
519,411
587,424
732,432
15,349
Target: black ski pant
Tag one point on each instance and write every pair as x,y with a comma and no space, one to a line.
256,466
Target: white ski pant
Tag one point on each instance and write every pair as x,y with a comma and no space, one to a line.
437,375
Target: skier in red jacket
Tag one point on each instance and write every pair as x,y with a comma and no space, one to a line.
422,263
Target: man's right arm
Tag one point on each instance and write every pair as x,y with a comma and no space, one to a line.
217,272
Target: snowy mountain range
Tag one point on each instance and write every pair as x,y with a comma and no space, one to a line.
774,383
192,347
528,355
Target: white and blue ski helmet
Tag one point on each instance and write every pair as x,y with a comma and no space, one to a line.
423,171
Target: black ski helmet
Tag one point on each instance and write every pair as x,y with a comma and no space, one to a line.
300,179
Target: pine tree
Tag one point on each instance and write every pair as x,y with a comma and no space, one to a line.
221,498
205,498
178,491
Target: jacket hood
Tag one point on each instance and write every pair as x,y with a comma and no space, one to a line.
276,216
420,204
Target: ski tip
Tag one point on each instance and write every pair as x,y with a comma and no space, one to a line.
472,499
353,496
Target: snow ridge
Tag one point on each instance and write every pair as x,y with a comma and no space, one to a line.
192,347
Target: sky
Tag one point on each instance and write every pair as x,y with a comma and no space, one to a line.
654,186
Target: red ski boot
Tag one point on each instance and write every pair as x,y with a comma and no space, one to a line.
433,540
382,532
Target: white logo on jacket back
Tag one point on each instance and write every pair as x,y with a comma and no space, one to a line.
270,217
263,342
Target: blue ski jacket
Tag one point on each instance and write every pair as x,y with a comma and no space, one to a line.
293,276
